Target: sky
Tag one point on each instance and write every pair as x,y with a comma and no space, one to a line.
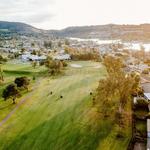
59,14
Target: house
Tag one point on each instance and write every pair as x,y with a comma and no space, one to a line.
62,57
135,100
148,128
147,96
148,134
30,57
24,57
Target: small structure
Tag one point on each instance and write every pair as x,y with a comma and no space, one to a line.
147,96
27,57
62,57
148,128
148,134
93,99
135,100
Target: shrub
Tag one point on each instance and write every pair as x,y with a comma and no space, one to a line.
142,103
64,64
145,71
22,82
10,91
42,62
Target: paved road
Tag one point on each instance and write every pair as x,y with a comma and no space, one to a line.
139,146
145,82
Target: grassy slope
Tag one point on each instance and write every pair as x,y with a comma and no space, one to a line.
11,71
47,122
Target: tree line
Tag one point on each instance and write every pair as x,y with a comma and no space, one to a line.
83,53
54,66
113,94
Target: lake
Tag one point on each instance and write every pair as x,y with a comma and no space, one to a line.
128,45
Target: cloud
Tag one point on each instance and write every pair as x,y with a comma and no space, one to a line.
57,14
38,18
30,11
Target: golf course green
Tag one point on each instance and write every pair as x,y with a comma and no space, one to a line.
57,112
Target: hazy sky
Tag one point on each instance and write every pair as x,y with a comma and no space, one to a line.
58,14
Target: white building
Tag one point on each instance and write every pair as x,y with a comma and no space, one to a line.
27,57
147,96
62,57
148,134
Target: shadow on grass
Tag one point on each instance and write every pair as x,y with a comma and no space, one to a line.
1,108
14,72
64,131
25,73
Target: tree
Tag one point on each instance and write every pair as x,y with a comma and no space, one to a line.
145,71
104,95
113,66
33,52
2,59
10,91
64,63
48,44
33,44
122,83
67,42
22,82
114,92
1,74
142,52
39,53
124,88
34,64
23,50
83,54
59,44
16,54
141,104
54,66
42,62
136,88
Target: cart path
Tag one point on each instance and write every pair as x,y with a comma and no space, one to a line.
22,101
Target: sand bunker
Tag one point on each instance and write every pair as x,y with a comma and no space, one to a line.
76,66
98,66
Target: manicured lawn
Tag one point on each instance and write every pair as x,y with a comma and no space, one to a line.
45,121
11,71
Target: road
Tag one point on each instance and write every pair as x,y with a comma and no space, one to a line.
139,146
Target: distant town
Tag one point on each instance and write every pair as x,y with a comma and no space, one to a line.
70,91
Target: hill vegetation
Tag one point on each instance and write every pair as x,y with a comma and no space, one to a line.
18,27
109,31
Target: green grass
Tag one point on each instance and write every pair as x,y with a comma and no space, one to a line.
141,126
47,122
11,71
114,143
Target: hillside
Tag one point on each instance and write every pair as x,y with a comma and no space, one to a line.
18,27
110,31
